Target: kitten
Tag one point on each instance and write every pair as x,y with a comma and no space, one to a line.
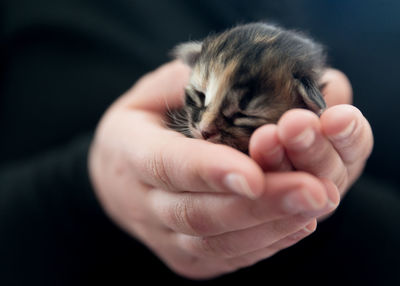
246,77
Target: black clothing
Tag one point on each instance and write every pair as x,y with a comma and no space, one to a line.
63,62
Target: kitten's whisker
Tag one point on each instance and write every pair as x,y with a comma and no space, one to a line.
166,103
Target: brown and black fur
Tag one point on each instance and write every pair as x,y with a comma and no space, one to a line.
246,77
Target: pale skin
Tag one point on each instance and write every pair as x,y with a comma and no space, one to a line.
206,209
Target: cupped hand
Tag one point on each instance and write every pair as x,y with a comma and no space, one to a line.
204,209
334,147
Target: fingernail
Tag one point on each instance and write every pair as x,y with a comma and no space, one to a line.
331,205
272,151
305,231
304,140
274,156
299,235
300,201
310,227
238,184
345,133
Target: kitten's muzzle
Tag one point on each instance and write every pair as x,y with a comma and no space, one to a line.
208,135
208,130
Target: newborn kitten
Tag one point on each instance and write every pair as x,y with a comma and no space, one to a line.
246,77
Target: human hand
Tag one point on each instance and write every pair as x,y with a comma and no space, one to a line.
205,209
334,146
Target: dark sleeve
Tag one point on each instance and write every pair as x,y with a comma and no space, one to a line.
47,211
54,183
53,230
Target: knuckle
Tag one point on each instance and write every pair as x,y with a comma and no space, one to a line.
187,218
177,216
156,166
220,247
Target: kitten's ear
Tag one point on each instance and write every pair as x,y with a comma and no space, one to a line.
311,95
188,52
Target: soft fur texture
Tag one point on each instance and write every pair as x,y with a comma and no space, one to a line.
246,77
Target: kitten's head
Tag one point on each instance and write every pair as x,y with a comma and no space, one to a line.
247,77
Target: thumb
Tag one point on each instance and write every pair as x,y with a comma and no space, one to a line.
176,163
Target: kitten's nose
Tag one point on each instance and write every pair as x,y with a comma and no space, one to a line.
208,134
207,129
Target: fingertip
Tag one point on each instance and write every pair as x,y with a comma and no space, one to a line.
334,197
315,192
351,135
175,66
338,88
266,149
349,131
264,139
298,192
296,128
228,170
159,89
311,227
294,121
340,120
333,193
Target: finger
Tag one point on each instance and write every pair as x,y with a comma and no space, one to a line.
295,237
260,254
350,134
266,149
165,159
337,88
308,149
171,78
241,242
265,146
206,214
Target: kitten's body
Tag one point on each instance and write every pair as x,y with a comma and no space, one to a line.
246,77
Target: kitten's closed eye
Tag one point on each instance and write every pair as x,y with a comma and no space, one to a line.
243,120
252,74
194,97
249,121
